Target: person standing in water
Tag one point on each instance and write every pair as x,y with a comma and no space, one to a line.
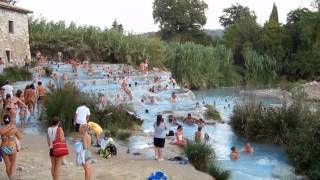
247,148
234,155
41,91
160,128
198,134
174,97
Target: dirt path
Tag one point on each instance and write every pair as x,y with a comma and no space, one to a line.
33,163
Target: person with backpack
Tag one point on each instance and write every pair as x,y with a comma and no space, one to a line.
55,133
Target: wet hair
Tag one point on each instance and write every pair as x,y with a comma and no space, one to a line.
233,148
189,114
179,127
129,85
6,119
173,93
159,119
142,100
55,121
147,111
39,83
135,83
199,128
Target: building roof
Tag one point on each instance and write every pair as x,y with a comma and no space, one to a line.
4,5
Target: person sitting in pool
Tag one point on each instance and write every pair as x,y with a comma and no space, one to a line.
127,90
90,70
247,148
206,137
189,119
153,99
125,69
179,136
234,155
172,120
157,79
173,81
54,76
118,100
141,67
174,97
65,76
200,122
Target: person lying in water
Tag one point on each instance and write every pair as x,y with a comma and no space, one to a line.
247,148
189,119
234,155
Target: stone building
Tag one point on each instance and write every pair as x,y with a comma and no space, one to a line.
14,33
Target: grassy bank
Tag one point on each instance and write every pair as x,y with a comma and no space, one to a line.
14,74
202,157
295,126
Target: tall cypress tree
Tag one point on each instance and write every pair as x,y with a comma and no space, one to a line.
274,14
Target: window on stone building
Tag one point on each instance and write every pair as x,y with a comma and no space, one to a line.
11,30
8,55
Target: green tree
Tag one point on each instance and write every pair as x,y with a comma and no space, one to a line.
271,39
234,14
117,26
242,30
179,19
274,14
303,28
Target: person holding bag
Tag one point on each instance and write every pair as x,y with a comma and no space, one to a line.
55,136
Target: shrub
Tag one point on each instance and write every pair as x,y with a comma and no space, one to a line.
212,113
199,154
62,102
117,116
113,130
217,172
14,74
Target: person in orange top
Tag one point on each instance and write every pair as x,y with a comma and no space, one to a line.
41,91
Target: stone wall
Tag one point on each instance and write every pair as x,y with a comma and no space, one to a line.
18,41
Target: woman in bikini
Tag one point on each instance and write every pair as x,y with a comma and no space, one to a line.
11,104
8,147
179,136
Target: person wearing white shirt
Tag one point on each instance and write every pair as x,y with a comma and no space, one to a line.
7,89
82,116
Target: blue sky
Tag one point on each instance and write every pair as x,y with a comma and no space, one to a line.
136,15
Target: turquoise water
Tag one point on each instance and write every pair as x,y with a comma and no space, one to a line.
268,161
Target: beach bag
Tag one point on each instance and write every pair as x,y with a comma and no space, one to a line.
112,149
158,176
171,133
60,148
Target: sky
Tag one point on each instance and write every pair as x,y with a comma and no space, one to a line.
136,15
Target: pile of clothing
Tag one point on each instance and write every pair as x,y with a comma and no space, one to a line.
108,148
